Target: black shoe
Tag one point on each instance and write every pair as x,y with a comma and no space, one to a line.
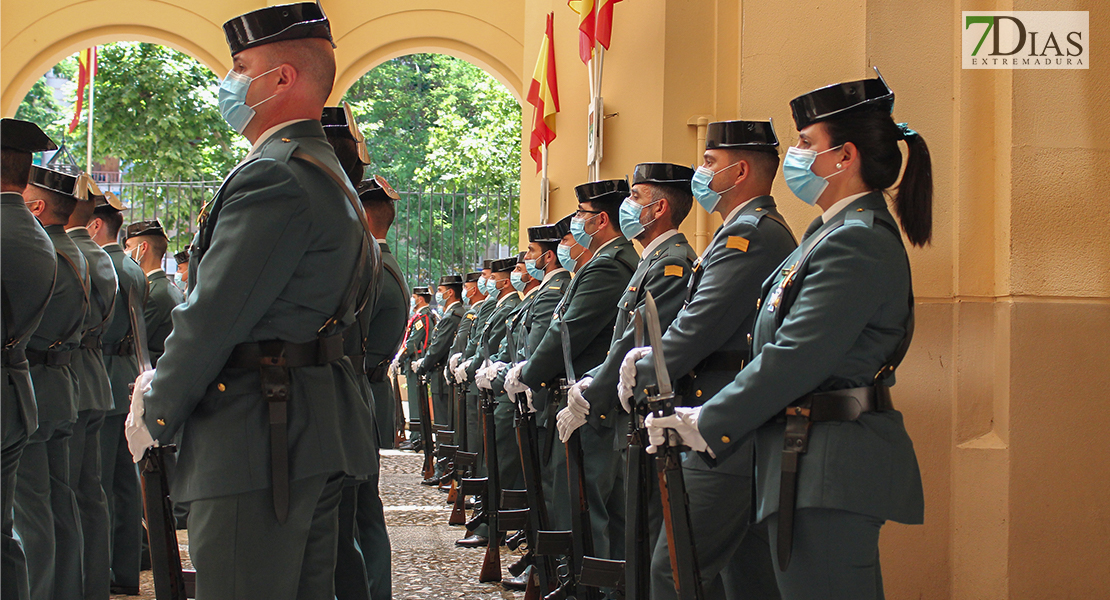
124,590
430,481
473,541
518,583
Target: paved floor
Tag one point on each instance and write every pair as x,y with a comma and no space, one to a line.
426,563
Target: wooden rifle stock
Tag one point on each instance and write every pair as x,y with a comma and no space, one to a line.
161,527
399,413
491,562
426,427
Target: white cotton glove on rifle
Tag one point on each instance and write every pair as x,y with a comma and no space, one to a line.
513,384
531,407
417,363
481,377
453,362
568,422
628,376
447,375
685,422
576,400
460,373
498,368
138,436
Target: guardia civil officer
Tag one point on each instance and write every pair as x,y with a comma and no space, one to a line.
146,242
94,401
589,310
659,201
709,339
464,374
118,476
473,299
181,276
431,364
46,513
833,460
417,337
26,284
275,272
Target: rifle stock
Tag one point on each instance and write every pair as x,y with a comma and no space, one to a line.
491,562
161,527
426,427
398,414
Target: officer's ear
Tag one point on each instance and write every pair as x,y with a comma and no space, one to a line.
36,207
743,171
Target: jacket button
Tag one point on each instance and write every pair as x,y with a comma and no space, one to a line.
602,416
725,439
698,393
221,387
161,422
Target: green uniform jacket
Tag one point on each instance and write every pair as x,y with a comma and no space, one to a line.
419,335
473,345
27,280
442,338
588,308
536,322
489,343
719,312
385,330
847,319
56,386
122,368
163,297
272,261
94,391
466,325
514,328
666,274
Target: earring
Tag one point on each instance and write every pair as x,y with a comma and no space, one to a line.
838,166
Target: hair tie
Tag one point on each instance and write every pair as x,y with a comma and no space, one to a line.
907,133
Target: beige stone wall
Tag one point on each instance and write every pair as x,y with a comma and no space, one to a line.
1005,387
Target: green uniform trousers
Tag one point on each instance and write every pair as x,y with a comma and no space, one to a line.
599,463
46,514
362,567
734,561
412,391
241,552
508,448
835,556
13,566
84,477
120,480
439,395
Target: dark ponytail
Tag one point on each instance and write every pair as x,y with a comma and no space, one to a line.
876,136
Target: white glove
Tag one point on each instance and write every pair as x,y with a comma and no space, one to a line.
628,376
513,384
394,368
447,375
497,368
138,436
416,364
576,402
684,421
568,421
531,407
481,377
460,374
453,362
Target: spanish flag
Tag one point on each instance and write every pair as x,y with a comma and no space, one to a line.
543,94
586,23
86,70
604,27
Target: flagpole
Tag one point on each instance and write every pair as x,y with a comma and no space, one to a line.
92,86
544,192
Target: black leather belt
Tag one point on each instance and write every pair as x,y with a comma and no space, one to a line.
90,342
13,356
126,347
50,358
816,407
274,358
731,361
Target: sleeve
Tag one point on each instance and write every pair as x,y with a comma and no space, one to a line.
838,297
263,228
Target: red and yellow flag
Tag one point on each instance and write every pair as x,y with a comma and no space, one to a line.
604,27
86,69
543,94
587,20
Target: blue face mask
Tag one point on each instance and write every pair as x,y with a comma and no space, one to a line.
578,230
797,170
630,217
517,280
699,185
412,304
533,270
482,286
233,99
466,297
439,298
569,263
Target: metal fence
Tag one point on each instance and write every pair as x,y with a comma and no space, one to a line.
436,232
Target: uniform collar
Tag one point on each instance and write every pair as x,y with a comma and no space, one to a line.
552,275
266,135
11,197
670,233
155,272
840,205
112,246
78,228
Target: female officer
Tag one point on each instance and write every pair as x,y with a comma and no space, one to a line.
833,459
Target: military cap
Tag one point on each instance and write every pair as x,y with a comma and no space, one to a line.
339,121
520,257
182,257
67,184
552,232
487,263
564,225
663,174
421,290
602,191
503,265
151,227
277,24
451,280
376,188
108,202
24,136
473,277
829,101
742,135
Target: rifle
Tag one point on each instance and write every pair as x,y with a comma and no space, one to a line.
637,564
426,426
491,563
672,488
399,412
463,461
161,526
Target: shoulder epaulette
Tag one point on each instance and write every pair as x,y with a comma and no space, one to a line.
860,217
280,150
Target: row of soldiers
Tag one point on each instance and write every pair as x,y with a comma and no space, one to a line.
72,295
